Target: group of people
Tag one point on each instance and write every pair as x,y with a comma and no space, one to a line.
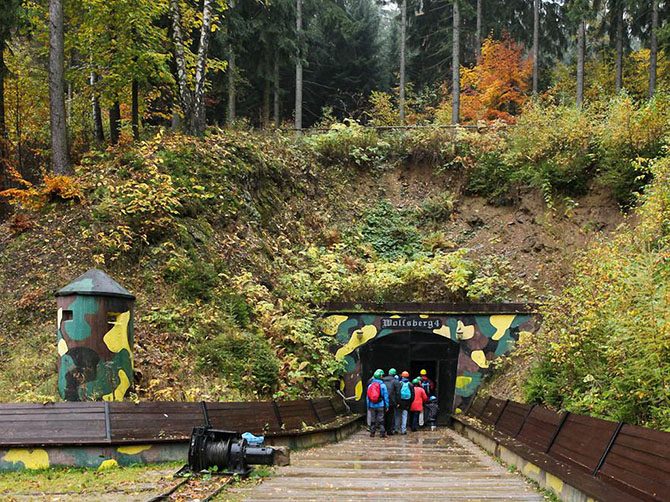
393,399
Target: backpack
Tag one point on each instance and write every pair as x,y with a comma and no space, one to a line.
426,386
374,392
405,391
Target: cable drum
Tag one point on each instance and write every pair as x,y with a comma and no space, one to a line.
225,451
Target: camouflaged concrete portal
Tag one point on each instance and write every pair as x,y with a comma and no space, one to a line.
95,339
481,339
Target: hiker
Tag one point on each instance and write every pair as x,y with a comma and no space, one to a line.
416,407
406,396
430,412
378,402
427,384
393,388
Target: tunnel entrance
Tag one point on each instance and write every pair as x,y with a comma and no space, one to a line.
413,351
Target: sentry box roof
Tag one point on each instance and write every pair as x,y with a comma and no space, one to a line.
95,283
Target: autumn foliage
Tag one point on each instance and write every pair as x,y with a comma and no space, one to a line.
497,86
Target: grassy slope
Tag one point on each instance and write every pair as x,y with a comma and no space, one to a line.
233,221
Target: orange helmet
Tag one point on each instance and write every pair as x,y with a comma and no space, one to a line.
404,374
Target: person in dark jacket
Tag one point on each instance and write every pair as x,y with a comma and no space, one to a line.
405,398
393,388
430,411
378,407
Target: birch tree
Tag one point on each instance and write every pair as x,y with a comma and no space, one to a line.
191,96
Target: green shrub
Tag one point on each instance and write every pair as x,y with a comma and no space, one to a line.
349,144
438,208
628,133
387,231
193,277
245,359
492,178
604,346
551,147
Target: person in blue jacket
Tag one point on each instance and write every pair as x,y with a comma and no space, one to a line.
377,398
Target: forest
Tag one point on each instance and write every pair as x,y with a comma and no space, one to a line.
238,164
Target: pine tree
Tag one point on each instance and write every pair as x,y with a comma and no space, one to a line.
60,157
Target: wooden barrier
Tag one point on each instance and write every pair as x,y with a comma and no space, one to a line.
639,463
540,428
80,423
96,423
582,441
607,460
513,417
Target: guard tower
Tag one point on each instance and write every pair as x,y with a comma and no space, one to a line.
95,339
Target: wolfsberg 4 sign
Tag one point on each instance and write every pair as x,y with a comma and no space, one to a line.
411,322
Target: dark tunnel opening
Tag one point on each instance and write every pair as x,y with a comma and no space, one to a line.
413,351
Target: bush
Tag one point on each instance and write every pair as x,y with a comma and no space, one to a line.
551,148
438,208
491,178
385,228
245,359
349,144
627,134
193,277
604,349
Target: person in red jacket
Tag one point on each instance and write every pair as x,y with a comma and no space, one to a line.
420,397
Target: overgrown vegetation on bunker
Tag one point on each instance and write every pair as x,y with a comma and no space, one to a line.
233,242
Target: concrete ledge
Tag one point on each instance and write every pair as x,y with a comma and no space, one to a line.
538,465
108,456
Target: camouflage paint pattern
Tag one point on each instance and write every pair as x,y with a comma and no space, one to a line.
96,457
94,339
481,338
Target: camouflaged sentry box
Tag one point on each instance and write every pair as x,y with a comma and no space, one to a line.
95,339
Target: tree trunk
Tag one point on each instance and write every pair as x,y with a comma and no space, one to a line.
4,150
3,123
135,109
536,45
456,66
60,158
192,101
231,112
403,42
277,118
115,123
97,112
581,49
267,90
4,147
653,48
298,67
618,83
231,88
198,118
180,60
17,125
478,31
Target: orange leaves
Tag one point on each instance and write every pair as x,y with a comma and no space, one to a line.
54,189
496,88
